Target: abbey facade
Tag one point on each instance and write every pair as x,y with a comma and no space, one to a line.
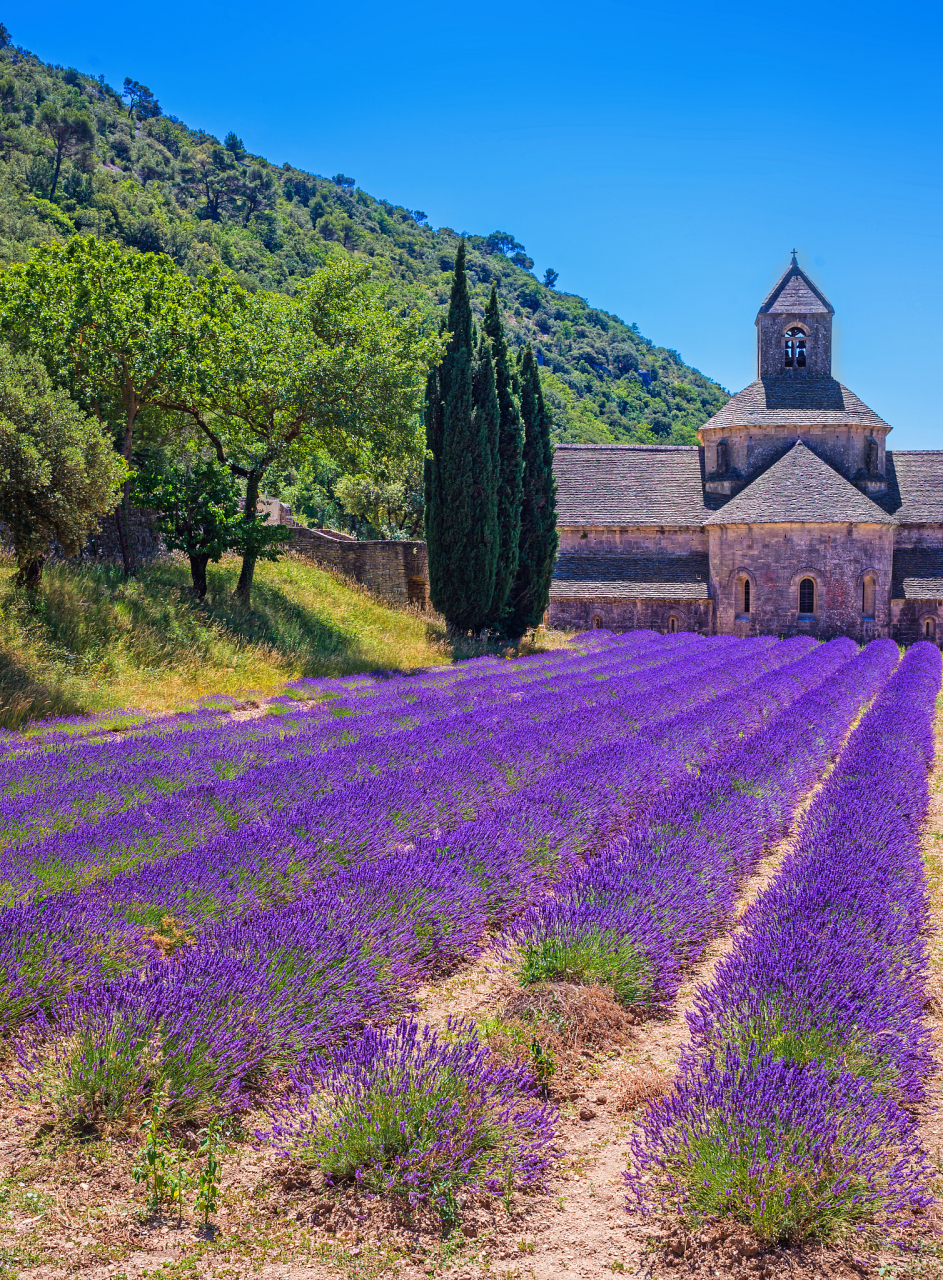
790,516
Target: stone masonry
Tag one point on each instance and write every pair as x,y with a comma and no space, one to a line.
803,520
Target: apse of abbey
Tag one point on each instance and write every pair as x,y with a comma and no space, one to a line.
790,516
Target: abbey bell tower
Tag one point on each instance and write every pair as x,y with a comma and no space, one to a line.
794,328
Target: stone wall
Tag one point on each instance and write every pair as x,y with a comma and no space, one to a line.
580,614
396,571
771,348
750,449
910,619
145,540
775,557
654,541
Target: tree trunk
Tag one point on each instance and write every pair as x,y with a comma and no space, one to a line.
198,574
127,548
55,176
126,557
31,573
243,590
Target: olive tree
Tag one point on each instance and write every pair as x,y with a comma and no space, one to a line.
331,368
121,330
196,506
59,473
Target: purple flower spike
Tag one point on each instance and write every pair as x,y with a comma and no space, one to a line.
407,1113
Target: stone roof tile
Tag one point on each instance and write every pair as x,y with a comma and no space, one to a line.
630,577
914,486
646,485
799,488
917,575
795,294
795,399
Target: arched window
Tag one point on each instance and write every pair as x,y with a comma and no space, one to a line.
868,593
928,629
807,596
597,622
746,595
672,624
795,349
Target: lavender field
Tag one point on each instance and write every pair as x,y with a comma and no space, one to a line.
214,912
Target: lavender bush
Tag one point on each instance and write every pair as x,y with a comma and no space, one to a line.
635,914
824,989
795,1151
406,1113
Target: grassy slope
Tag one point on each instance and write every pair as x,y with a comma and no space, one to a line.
149,184
93,641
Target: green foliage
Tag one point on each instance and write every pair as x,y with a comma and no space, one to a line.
462,425
120,329
330,368
59,473
510,461
71,131
387,496
153,1166
543,1062
530,593
150,182
197,508
596,956
212,1149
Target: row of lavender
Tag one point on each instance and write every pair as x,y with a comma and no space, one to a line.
82,784
265,982
635,915
277,821
796,1107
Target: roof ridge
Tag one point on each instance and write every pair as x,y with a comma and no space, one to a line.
800,488
638,448
790,273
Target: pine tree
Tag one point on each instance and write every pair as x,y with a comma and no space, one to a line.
530,593
462,419
510,461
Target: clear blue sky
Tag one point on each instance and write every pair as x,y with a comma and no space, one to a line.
663,158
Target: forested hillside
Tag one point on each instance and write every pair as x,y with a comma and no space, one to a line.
78,155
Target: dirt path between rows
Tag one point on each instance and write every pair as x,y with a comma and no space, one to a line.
581,1228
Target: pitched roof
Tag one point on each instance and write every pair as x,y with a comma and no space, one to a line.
795,294
799,488
625,484
914,486
795,399
630,577
917,575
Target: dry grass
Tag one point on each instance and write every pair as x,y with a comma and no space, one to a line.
558,1024
637,1086
93,641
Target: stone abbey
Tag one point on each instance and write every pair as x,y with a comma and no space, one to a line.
789,516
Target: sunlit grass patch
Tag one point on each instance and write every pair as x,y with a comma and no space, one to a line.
591,956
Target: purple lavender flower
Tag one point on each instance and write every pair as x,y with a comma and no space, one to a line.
791,1150
406,1113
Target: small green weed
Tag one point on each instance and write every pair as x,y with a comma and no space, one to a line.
597,956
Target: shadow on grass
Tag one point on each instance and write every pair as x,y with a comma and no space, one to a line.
23,697
90,629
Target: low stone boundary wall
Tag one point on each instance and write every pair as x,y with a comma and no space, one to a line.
396,571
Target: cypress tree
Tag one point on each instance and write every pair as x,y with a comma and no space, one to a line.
537,552
510,461
462,418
